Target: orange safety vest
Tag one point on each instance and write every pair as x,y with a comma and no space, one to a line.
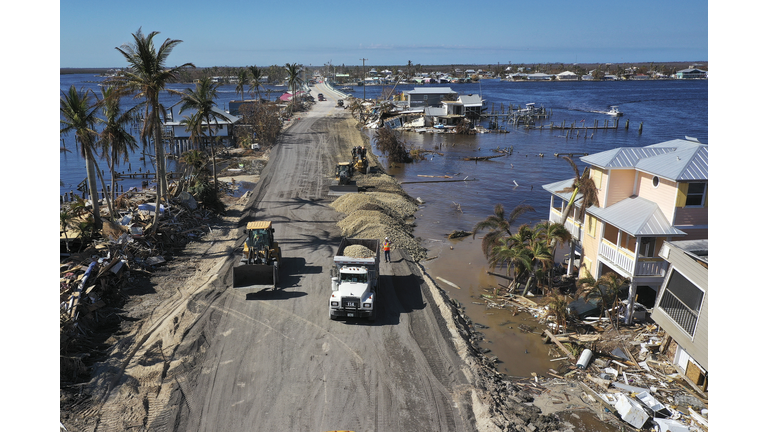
386,246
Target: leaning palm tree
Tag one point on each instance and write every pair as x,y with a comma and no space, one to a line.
499,224
584,185
115,140
606,289
294,80
202,100
255,78
147,76
78,115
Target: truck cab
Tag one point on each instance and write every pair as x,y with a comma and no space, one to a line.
354,283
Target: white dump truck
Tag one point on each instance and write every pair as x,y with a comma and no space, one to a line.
355,279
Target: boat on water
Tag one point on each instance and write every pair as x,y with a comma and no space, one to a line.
614,111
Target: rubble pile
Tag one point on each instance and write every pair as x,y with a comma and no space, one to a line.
93,281
627,370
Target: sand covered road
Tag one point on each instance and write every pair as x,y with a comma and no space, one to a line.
209,357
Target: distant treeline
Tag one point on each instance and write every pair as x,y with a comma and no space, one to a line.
95,71
276,73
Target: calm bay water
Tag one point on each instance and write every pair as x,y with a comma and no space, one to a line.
72,166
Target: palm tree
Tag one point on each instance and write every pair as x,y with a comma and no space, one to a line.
202,100
65,217
606,289
255,80
558,308
294,80
499,225
581,184
147,76
242,80
115,141
78,115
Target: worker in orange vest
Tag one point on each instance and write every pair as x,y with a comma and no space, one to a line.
387,247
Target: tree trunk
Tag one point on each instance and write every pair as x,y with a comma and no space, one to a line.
106,195
162,187
92,189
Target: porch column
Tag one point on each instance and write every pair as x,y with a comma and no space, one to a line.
630,303
570,256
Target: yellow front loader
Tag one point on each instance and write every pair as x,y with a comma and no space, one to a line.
259,265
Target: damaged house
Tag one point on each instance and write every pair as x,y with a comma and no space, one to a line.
682,307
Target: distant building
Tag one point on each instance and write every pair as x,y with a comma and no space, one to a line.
429,96
691,74
567,76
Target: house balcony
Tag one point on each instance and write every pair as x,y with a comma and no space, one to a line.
629,264
573,227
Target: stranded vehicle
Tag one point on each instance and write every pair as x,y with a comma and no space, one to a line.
354,281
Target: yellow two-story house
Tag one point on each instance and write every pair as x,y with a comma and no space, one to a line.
646,195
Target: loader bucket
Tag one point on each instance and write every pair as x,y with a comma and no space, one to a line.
255,276
341,190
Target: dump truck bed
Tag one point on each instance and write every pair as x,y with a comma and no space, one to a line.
372,244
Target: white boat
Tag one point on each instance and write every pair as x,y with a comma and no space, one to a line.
614,111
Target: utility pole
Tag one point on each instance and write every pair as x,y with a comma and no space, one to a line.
363,78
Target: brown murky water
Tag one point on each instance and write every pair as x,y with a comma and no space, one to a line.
461,262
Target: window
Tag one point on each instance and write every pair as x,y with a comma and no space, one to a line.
695,195
682,301
655,181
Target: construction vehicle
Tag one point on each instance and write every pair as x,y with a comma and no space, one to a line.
340,103
259,266
354,282
360,160
344,183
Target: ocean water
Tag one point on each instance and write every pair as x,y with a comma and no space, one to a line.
72,166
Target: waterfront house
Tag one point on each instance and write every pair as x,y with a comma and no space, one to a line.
692,73
421,97
682,307
539,76
646,195
175,131
567,76
451,112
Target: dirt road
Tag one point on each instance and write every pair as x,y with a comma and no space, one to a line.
207,357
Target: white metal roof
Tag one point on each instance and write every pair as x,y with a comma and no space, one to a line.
638,217
431,90
677,160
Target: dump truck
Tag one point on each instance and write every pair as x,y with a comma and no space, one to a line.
343,178
259,265
355,280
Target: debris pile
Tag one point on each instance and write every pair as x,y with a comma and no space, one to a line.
95,272
627,370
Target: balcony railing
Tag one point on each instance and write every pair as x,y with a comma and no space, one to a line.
555,215
679,312
625,259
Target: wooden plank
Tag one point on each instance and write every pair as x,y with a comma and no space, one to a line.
559,345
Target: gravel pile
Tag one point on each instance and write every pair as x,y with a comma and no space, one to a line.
358,251
380,214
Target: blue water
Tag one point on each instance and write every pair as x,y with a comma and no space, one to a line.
667,109
72,166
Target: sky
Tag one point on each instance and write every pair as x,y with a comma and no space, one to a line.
264,33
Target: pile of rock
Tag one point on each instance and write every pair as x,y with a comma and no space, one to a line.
358,251
380,214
